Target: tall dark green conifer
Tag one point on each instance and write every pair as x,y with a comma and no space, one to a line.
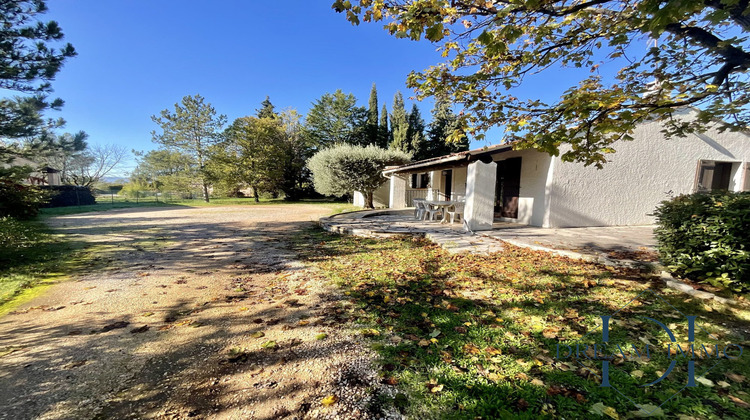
371,127
384,134
415,132
266,109
399,125
444,123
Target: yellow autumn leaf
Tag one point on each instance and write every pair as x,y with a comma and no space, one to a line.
329,400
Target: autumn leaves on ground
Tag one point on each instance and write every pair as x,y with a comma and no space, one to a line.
253,312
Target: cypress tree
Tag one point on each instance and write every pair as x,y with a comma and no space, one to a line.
371,126
399,125
384,134
415,132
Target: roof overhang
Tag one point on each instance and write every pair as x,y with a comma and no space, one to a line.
449,161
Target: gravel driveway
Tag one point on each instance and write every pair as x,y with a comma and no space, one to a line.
186,313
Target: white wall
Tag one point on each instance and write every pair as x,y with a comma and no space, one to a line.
535,169
638,176
380,198
397,195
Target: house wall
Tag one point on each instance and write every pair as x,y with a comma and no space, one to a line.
380,198
397,196
535,174
641,173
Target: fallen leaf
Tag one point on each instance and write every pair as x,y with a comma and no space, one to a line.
139,329
269,345
321,336
435,333
114,326
603,410
735,377
258,334
705,381
723,384
648,410
739,402
329,400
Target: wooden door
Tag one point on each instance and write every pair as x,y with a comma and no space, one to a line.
508,188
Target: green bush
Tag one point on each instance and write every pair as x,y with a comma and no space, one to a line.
20,201
706,237
343,169
16,236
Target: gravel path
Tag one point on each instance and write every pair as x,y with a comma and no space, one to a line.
187,313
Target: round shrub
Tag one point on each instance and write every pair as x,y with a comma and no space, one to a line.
706,237
19,200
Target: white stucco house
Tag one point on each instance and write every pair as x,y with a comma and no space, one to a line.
533,188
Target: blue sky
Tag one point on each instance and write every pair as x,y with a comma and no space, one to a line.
138,57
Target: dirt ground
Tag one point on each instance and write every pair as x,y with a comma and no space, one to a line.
187,313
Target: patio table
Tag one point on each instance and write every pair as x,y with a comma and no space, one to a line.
444,204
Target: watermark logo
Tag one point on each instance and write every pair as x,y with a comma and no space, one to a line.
679,350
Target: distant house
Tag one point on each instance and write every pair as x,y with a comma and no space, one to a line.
534,188
40,176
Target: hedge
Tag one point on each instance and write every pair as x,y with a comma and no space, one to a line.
706,237
68,195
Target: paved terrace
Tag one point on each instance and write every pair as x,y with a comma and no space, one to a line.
609,245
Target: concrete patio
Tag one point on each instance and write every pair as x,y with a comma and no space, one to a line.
609,245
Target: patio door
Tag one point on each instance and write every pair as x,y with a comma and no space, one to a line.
447,183
507,188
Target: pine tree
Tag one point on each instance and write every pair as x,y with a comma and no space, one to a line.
371,127
415,132
266,109
444,123
384,134
399,125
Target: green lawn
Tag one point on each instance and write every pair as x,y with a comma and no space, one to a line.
104,204
31,258
466,336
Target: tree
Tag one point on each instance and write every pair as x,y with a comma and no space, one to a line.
345,168
384,133
372,135
399,125
97,161
28,63
192,128
167,170
336,118
699,57
252,153
415,131
296,149
445,124
266,109
59,151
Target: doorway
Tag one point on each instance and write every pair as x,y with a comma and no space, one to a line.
447,184
507,188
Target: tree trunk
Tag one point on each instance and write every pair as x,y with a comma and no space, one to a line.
368,200
255,195
205,192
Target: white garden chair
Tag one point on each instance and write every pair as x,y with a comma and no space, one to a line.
431,211
419,208
456,210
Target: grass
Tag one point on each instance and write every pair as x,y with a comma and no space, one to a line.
120,203
32,258
465,336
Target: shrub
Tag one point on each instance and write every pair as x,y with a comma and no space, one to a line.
704,237
68,195
19,200
16,236
344,168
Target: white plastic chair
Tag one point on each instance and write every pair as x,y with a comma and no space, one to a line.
456,210
431,211
419,208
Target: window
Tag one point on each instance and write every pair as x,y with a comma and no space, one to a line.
713,175
420,180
